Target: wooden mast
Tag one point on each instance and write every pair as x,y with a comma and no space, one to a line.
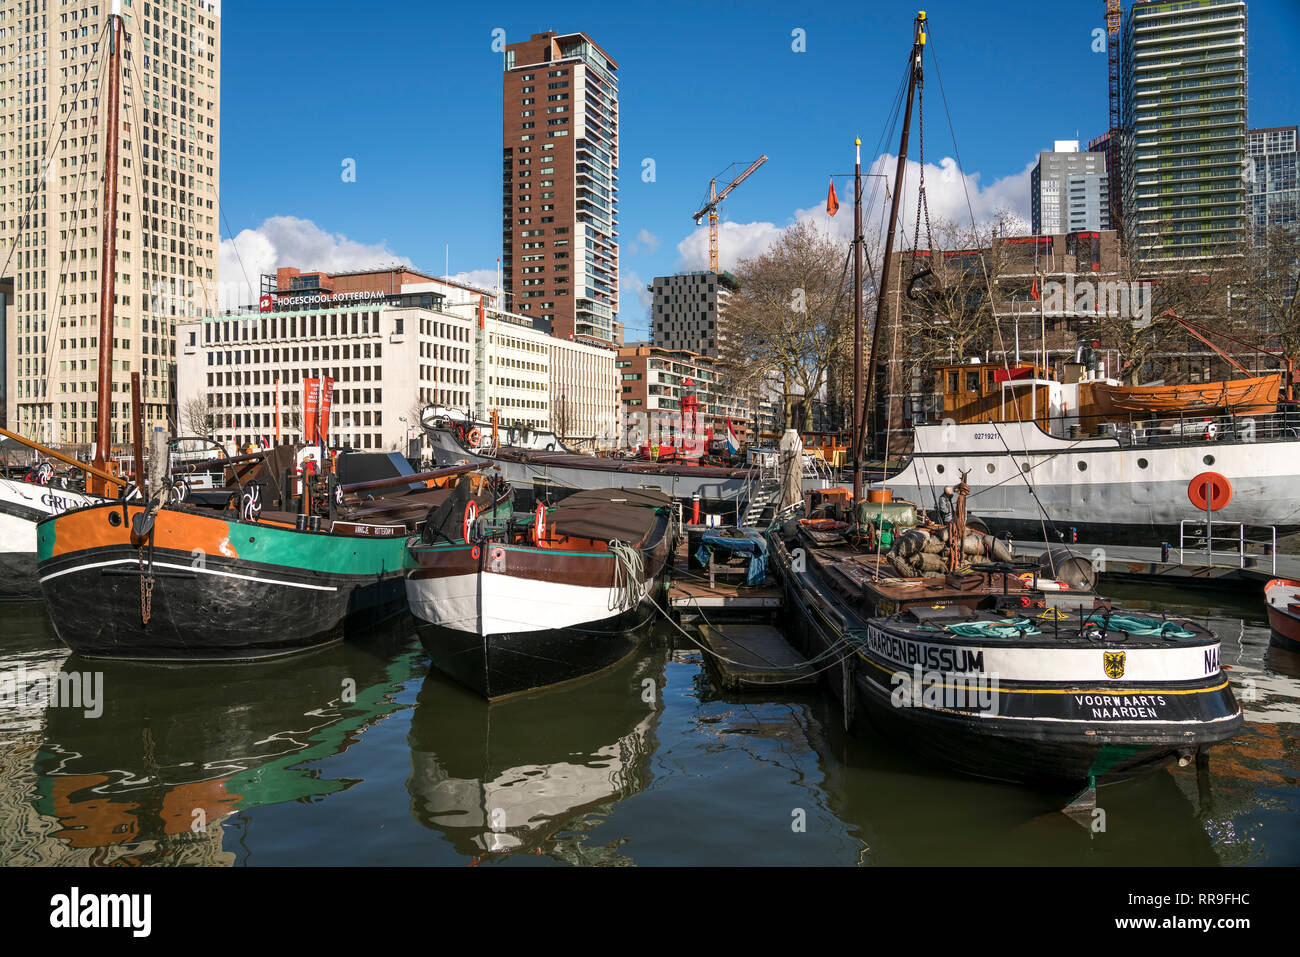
914,77
108,261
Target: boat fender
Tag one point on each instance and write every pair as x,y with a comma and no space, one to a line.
1059,564
1219,488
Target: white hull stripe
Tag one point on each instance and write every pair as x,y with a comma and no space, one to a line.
191,568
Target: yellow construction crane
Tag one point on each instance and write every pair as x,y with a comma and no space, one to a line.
715,199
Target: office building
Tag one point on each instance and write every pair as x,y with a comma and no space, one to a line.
688,309
1272,179
53,114
1183,127
1069,190
654,380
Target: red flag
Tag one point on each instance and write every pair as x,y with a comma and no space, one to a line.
310,406
1033,290
832,204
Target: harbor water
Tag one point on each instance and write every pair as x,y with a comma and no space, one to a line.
360,754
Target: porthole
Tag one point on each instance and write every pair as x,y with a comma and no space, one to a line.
1083,466
114,519
1024,466
1208,460
939,469
1143,463
990,468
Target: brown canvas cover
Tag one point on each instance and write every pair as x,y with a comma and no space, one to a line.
627,515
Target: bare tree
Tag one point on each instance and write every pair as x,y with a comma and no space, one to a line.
785,324
197,418
944,290
561,417
1270,287
1160,288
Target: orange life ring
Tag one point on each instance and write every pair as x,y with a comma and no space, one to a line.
471,513
473,436
1220,491
539,526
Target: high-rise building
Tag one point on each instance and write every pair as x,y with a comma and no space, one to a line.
1069,190
1274,186
53,117
688,309
1183,126
560,184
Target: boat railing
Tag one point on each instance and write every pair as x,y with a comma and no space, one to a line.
1227,543
1183,428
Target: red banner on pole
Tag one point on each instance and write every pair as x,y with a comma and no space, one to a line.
310,407
326,400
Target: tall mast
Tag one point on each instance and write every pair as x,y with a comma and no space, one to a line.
857,322
914,77
108,264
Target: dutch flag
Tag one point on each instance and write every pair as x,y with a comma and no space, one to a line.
733,444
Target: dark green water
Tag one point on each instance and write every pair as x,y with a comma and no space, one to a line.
357,754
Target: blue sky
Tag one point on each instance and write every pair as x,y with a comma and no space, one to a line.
411,91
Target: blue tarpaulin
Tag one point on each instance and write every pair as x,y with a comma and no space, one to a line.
747,542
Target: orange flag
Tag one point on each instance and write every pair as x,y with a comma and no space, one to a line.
832,204
1033,290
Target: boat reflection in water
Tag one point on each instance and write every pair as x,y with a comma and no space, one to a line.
535,773
179,749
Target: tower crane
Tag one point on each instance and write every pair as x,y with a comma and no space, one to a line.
715,199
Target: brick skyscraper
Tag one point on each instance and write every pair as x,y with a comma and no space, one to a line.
559,174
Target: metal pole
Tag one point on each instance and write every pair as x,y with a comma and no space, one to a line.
858,405
137,436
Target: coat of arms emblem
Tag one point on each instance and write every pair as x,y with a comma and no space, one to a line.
1113,663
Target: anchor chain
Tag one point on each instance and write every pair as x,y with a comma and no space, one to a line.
146,589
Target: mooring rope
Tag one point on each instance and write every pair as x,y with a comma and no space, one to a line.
629,569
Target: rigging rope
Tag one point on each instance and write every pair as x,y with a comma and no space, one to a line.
1046,518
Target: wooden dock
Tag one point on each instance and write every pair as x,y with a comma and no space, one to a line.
719,590
748,656
1146,564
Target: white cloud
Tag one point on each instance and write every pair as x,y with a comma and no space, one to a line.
946,198
290,241
482,278
736,241
645,242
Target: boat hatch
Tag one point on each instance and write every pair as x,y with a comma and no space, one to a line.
932,614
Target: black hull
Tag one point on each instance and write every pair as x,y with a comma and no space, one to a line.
1052,751
209,614
18,580
501,665
1279,640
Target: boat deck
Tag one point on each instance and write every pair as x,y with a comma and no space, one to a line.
867,578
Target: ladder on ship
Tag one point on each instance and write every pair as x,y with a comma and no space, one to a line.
764,498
